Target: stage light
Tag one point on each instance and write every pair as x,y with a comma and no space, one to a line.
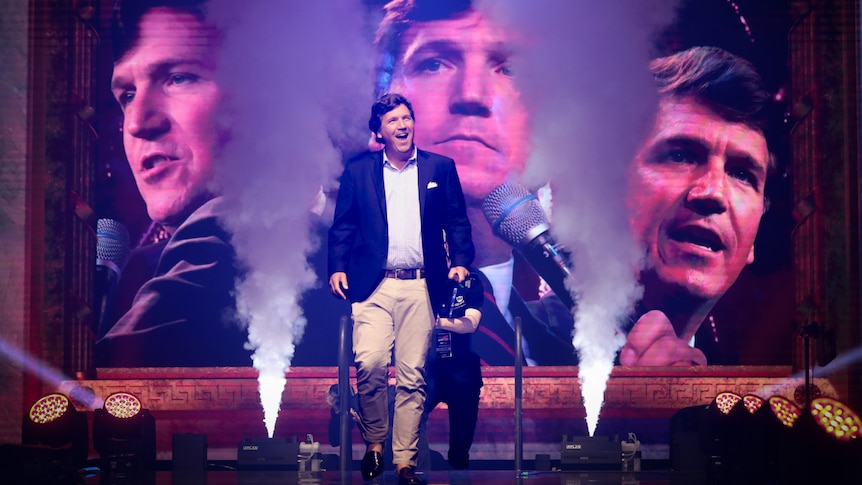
748,440
752,403
723,439
122,405
836,418
124,434
49,408
725,401
54,423
834,440
786,412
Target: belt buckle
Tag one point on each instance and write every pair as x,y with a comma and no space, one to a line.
405,274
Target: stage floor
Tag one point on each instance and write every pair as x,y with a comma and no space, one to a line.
224,404
471,477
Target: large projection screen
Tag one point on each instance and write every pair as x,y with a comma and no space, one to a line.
303,112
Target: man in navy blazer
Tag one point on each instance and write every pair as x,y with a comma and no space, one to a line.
400,229
358,237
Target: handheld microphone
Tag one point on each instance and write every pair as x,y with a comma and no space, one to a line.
112,254
517,218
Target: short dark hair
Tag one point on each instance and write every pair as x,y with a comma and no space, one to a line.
385,104
727,84
127,15
398,16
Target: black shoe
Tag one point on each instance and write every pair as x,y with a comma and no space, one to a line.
407,476
459,461
372,465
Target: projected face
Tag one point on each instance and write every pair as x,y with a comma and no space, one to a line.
696,197
165,87
456,73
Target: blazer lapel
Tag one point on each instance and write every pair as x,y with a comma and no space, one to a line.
426,173
377,174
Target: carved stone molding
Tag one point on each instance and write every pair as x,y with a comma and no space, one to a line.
629,391
223,403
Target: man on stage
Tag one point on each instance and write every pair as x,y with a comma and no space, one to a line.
397,213
454,63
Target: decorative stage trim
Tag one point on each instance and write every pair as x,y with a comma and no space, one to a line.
223,403
630,390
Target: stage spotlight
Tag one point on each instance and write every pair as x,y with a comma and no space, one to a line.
54,423
817,445
725,401
124,434
836,418
749,440
786,412
752,403
834,442
724,438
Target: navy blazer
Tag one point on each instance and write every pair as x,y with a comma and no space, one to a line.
185,315
359,236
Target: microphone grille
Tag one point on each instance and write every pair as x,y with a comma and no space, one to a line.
112,244
514,213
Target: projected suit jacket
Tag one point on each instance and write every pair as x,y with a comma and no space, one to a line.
185,314
359,238
546,325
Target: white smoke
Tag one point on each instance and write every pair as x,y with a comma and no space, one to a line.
583,69
299,79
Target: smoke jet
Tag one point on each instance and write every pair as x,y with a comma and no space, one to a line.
583,68
298,78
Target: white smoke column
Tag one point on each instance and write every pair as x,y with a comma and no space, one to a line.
298,75
583,71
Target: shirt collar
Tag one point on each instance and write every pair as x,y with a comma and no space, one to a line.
410,160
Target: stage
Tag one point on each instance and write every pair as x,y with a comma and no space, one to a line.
223,404
473,477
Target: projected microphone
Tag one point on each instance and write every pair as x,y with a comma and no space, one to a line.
112,254
517,218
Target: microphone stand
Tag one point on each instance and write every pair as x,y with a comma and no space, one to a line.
809,331
346,455
519,438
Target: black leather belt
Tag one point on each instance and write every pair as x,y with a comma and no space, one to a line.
405,274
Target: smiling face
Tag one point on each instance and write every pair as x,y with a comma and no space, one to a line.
396,132
456,74
165,86
696,197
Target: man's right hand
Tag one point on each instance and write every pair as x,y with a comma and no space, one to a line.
653,342
338,284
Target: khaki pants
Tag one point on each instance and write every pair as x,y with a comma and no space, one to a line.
397,315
